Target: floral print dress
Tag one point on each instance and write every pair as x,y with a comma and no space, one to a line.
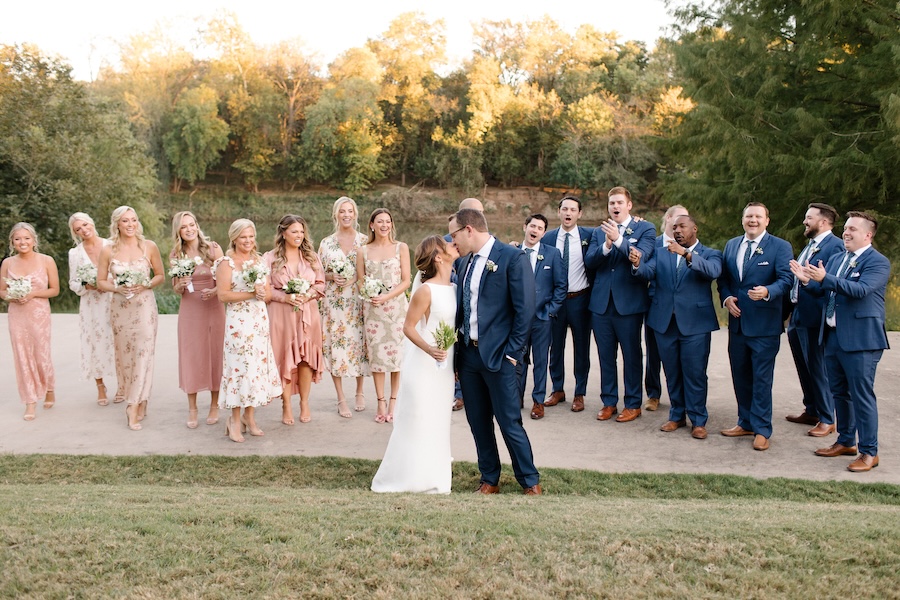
384,324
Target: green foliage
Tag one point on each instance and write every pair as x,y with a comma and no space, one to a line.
197,135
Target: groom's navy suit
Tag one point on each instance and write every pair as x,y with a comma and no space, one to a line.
505,310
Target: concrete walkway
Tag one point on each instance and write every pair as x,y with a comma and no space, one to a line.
77,425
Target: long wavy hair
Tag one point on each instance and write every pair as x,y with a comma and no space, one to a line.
306,246
234,232
114,227
79,216
337,206
426,252
27,227
375,213
178,244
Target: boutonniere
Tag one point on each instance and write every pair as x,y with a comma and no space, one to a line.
540,257
629,231
814,250
490,265
584,242
852,263
759,250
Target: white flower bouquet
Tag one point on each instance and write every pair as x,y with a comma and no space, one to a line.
253,273
130,278
295,286
87,274
342,267
371,287
184,267
17,287
444,337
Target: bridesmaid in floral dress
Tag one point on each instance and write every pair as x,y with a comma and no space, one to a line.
294,322
130,259
387,260
344,347
29,316
97,355
201,317
249,374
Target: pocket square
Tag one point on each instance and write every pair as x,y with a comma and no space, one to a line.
854,274
632,241
763,264
546,267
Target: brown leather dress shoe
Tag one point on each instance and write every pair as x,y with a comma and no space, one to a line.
736,431
652,404
606,413
537,411
673,425
699,432
534,490
458,404
486,488
760,442
803,418
578,404
629,414
835,450
821,430
555,398
863,463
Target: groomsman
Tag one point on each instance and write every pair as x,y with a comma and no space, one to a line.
572,241
652,381
806,320
618,303
853,284
681,317
549,294
756,276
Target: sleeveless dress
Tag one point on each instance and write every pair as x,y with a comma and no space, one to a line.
384,324
296,334
418,457
98,357
201,335
249,373
29,332
134,322
344,343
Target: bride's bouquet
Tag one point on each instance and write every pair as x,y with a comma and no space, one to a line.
444,337
130,278
184,267
371,287
253,273
295,286
342,267
17,287
87,274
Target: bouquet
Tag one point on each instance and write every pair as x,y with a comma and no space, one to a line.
371,287
444,337
343,268
184,267
87,274
130,278
295,286
253,273
17,287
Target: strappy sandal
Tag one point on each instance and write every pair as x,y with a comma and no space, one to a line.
381,418
192,418
360,403
390,416
343,410
102,400
49,399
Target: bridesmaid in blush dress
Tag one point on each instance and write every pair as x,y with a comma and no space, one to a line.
97,355
201,317
130,259
29,316
294,321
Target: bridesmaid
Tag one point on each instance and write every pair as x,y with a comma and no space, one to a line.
344,347
387,260
29,316
130,259
201,318
294,321
250,376
97,356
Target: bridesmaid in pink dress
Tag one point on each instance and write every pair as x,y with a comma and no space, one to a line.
29,316
295,325
201,318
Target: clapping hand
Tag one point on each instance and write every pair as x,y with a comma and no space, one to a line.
759,292
799,272
815,272
611,229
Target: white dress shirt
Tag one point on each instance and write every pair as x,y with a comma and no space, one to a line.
577,276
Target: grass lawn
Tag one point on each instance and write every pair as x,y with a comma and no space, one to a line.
279,527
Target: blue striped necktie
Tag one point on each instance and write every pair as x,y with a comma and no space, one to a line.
467,300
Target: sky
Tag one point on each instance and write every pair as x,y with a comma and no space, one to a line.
86,32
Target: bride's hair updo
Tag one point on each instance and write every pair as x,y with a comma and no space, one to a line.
426,251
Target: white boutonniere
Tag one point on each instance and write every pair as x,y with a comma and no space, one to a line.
759,251
490,265
814,250
853,263
584,242
629,231
540,257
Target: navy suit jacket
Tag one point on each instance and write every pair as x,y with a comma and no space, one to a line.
769,266
505,304
659,247
809,307
614,281
585,233
859,301
689,300
549,282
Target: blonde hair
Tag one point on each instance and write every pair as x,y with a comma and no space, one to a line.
203,244
27,227
337,207
114,227
79,216
234,232
375,213
306,246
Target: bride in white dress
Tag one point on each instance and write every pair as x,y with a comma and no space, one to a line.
417,458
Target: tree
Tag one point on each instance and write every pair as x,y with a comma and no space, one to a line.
197,135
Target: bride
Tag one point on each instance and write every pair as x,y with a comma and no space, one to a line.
417,458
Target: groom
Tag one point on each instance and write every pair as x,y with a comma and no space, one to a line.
495,308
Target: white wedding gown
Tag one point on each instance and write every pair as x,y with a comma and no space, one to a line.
418,458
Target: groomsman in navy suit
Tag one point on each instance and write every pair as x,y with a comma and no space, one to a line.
549,294
756,276
572,240
805,321
618,303
682,316
853,285
652,380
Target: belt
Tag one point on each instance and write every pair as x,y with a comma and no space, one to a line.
576,294
473,343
